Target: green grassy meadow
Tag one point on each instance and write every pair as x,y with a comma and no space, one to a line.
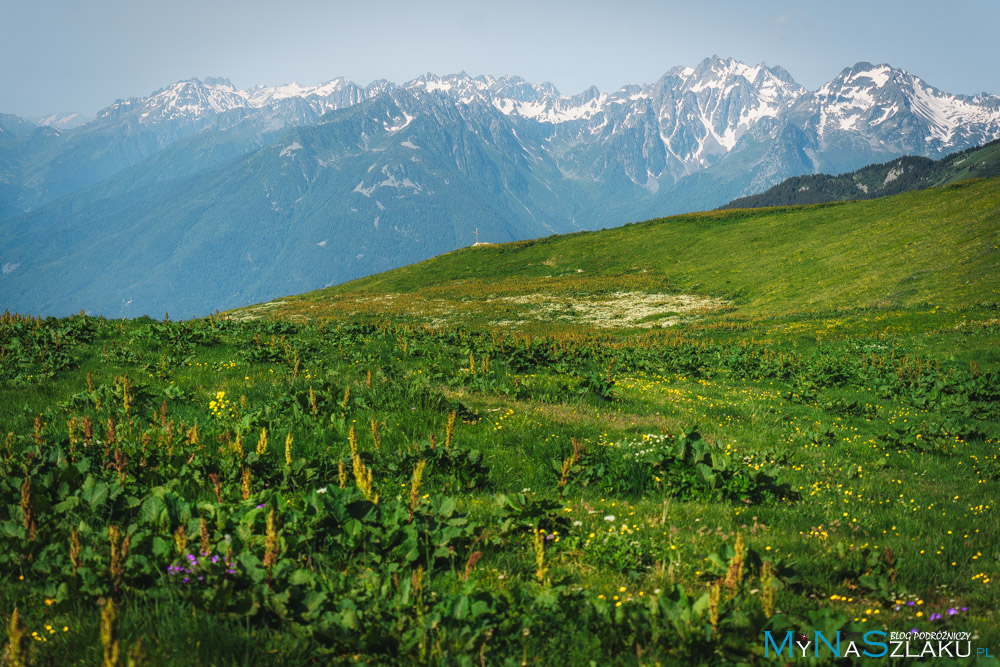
938,246
502,456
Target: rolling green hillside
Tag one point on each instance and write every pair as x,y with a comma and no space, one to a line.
815,445
879,180
938,246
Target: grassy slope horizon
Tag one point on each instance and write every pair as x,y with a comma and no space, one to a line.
932,246
903,174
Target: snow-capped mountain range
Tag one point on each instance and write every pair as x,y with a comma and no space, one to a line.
385,174
655,134
700,111
195,101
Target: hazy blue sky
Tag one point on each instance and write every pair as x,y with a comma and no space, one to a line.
79,55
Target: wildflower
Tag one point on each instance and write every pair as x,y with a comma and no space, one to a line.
109,633
271,543
610,517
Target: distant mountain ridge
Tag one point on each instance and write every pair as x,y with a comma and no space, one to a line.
255,193
935,247
879,180
655,134
61,121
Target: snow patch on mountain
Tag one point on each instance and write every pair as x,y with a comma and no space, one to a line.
290,149
261,96
60,121
946,113
391,180
407,119
432,86
878,75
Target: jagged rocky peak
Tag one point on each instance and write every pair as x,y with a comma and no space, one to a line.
768,90
892,107
878,75
465,88
450,83
265,96
522,90
588,95
193,98
720,72
119,107
379,86
783,75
